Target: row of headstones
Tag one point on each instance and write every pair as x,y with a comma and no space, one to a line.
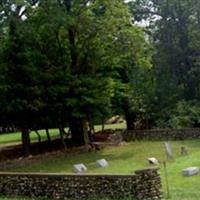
169,153
81,168
190,171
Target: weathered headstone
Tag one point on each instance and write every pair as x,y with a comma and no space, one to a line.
190,171
80,168
184,151
102,163
153,161
168,151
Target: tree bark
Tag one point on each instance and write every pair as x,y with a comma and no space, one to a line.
25,142
130,119
86,134
103,125
39,136
48,135
62,133
79,131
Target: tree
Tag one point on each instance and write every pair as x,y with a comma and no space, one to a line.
92,30
172,26
19,100
134,79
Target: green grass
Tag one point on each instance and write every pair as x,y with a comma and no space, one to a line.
15,138
130,157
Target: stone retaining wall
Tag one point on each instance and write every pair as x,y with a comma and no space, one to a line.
143,185
161,134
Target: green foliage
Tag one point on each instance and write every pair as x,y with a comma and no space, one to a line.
172,28
66,59
134,83
185,114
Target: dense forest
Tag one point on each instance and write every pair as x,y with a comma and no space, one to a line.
74,63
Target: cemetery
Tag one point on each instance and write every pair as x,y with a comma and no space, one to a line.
112,161
99,99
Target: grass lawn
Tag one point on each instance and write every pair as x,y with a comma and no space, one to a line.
130,157
15,138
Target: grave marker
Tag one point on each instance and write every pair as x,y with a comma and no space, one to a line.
80,168
153,161
184,151
168,151
102,163
190,171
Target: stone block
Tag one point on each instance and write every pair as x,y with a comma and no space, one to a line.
102,163
190,171
153,161
80,168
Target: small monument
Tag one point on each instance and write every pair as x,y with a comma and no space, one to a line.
102,163
191,171
168,151
80,168
153,161
184,151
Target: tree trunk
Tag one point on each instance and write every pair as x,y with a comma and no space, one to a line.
48,135
39,136
62,133
91,132
103,125
79,131
25,142
85,134
130,119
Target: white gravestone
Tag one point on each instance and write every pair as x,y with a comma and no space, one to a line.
102,163
80,168
168,151
190,171
153,161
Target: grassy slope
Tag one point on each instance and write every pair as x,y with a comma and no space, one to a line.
8,139
129,157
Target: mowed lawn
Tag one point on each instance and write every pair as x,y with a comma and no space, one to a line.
15,138
126,159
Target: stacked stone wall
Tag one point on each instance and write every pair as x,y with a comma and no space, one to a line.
143,185
161,134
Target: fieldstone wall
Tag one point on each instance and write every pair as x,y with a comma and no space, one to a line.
161,134
143,185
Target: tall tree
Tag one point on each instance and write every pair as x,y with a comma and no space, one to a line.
18,83
92,30
172,25
134,77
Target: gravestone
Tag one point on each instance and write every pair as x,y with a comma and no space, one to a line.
80,168
190,171
168,151
184,151
102,163
153,161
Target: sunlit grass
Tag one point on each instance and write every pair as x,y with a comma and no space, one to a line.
15,138
12,138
